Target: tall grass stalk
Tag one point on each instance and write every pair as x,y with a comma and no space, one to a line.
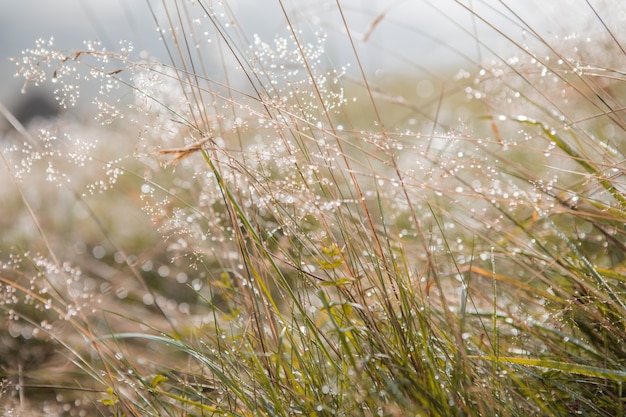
256,228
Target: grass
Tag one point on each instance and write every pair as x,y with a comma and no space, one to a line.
255,229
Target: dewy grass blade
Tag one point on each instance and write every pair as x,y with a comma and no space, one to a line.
586,164
567,367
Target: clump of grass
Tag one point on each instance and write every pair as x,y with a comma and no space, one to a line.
327,246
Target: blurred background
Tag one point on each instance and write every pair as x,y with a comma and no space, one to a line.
391,36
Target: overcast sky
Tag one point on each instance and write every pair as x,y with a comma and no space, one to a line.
404,29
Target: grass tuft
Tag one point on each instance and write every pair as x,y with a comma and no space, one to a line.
271,227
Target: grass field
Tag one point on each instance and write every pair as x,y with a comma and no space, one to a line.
273,227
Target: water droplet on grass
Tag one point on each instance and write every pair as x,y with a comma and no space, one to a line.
98,252
148,299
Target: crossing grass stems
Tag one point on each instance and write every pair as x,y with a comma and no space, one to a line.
254,228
